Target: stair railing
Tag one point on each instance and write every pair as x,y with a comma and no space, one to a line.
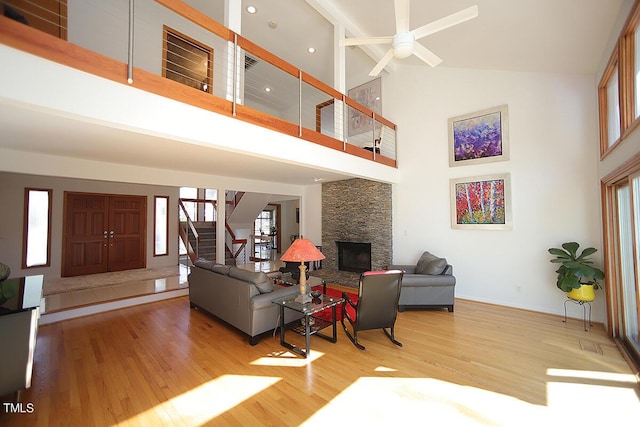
183,231
238,254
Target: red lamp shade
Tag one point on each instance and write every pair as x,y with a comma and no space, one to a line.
302,250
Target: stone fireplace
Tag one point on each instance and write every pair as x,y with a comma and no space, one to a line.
356,211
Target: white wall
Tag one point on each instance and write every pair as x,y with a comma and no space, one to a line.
288,224
554,182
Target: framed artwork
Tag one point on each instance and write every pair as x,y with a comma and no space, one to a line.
479,137
481,203
369,95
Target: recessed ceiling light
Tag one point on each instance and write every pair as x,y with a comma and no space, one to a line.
267,89
252,9
318,179
311,50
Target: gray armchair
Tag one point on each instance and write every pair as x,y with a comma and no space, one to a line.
429,283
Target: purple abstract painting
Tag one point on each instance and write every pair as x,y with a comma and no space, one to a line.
478,137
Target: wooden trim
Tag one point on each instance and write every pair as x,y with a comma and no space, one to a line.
622,171
319,108
46,46
603,104
608,229
321,139
385,122
364,110
250,115
198,18
265,55
312,81
625,82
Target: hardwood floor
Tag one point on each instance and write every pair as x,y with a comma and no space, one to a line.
166,364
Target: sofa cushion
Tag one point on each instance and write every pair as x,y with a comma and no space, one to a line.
258,278
204,263
221,269
430,264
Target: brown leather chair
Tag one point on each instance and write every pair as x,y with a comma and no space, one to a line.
376,307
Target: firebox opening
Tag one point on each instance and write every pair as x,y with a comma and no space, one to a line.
354,257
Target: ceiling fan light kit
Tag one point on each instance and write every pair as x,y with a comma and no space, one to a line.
403,43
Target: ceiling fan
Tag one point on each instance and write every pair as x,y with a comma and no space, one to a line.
403,43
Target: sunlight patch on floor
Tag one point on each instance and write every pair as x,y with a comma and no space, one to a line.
287,358
391,401
384,369
205,402
604,397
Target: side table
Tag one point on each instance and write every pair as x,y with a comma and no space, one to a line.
309,324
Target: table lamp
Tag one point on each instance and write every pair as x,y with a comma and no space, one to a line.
302,250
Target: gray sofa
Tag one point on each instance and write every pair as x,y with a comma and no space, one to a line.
429,283
239,297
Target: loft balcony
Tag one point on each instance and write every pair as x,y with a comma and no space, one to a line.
170,49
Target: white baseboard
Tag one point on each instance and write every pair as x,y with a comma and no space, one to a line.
107,306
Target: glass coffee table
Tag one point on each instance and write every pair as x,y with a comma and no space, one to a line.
309,324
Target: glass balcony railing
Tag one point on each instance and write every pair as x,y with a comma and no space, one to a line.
172,49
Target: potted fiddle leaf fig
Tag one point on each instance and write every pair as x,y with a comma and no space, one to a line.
577,276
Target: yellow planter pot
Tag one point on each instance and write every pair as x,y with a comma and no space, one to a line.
583,293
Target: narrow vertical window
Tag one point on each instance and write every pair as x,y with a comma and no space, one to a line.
613,109
37,228
636,71
161,222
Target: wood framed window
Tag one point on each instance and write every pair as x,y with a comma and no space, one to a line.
186,60
621,198
609,100
49,16
161,225
37,228
619,88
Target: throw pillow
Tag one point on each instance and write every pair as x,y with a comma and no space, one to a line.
265,287
430,264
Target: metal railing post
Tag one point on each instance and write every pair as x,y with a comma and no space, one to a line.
345,122
236,76
373,135
300,103
130,53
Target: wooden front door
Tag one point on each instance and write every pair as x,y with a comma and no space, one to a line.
103,233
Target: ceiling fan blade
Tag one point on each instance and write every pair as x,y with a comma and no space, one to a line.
446,22
382,63
353,41
426,55
402,15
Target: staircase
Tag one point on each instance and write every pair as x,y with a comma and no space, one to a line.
206,247
199,237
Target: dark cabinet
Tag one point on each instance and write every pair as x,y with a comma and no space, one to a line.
19,314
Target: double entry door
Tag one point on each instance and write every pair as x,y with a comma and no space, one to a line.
103,232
